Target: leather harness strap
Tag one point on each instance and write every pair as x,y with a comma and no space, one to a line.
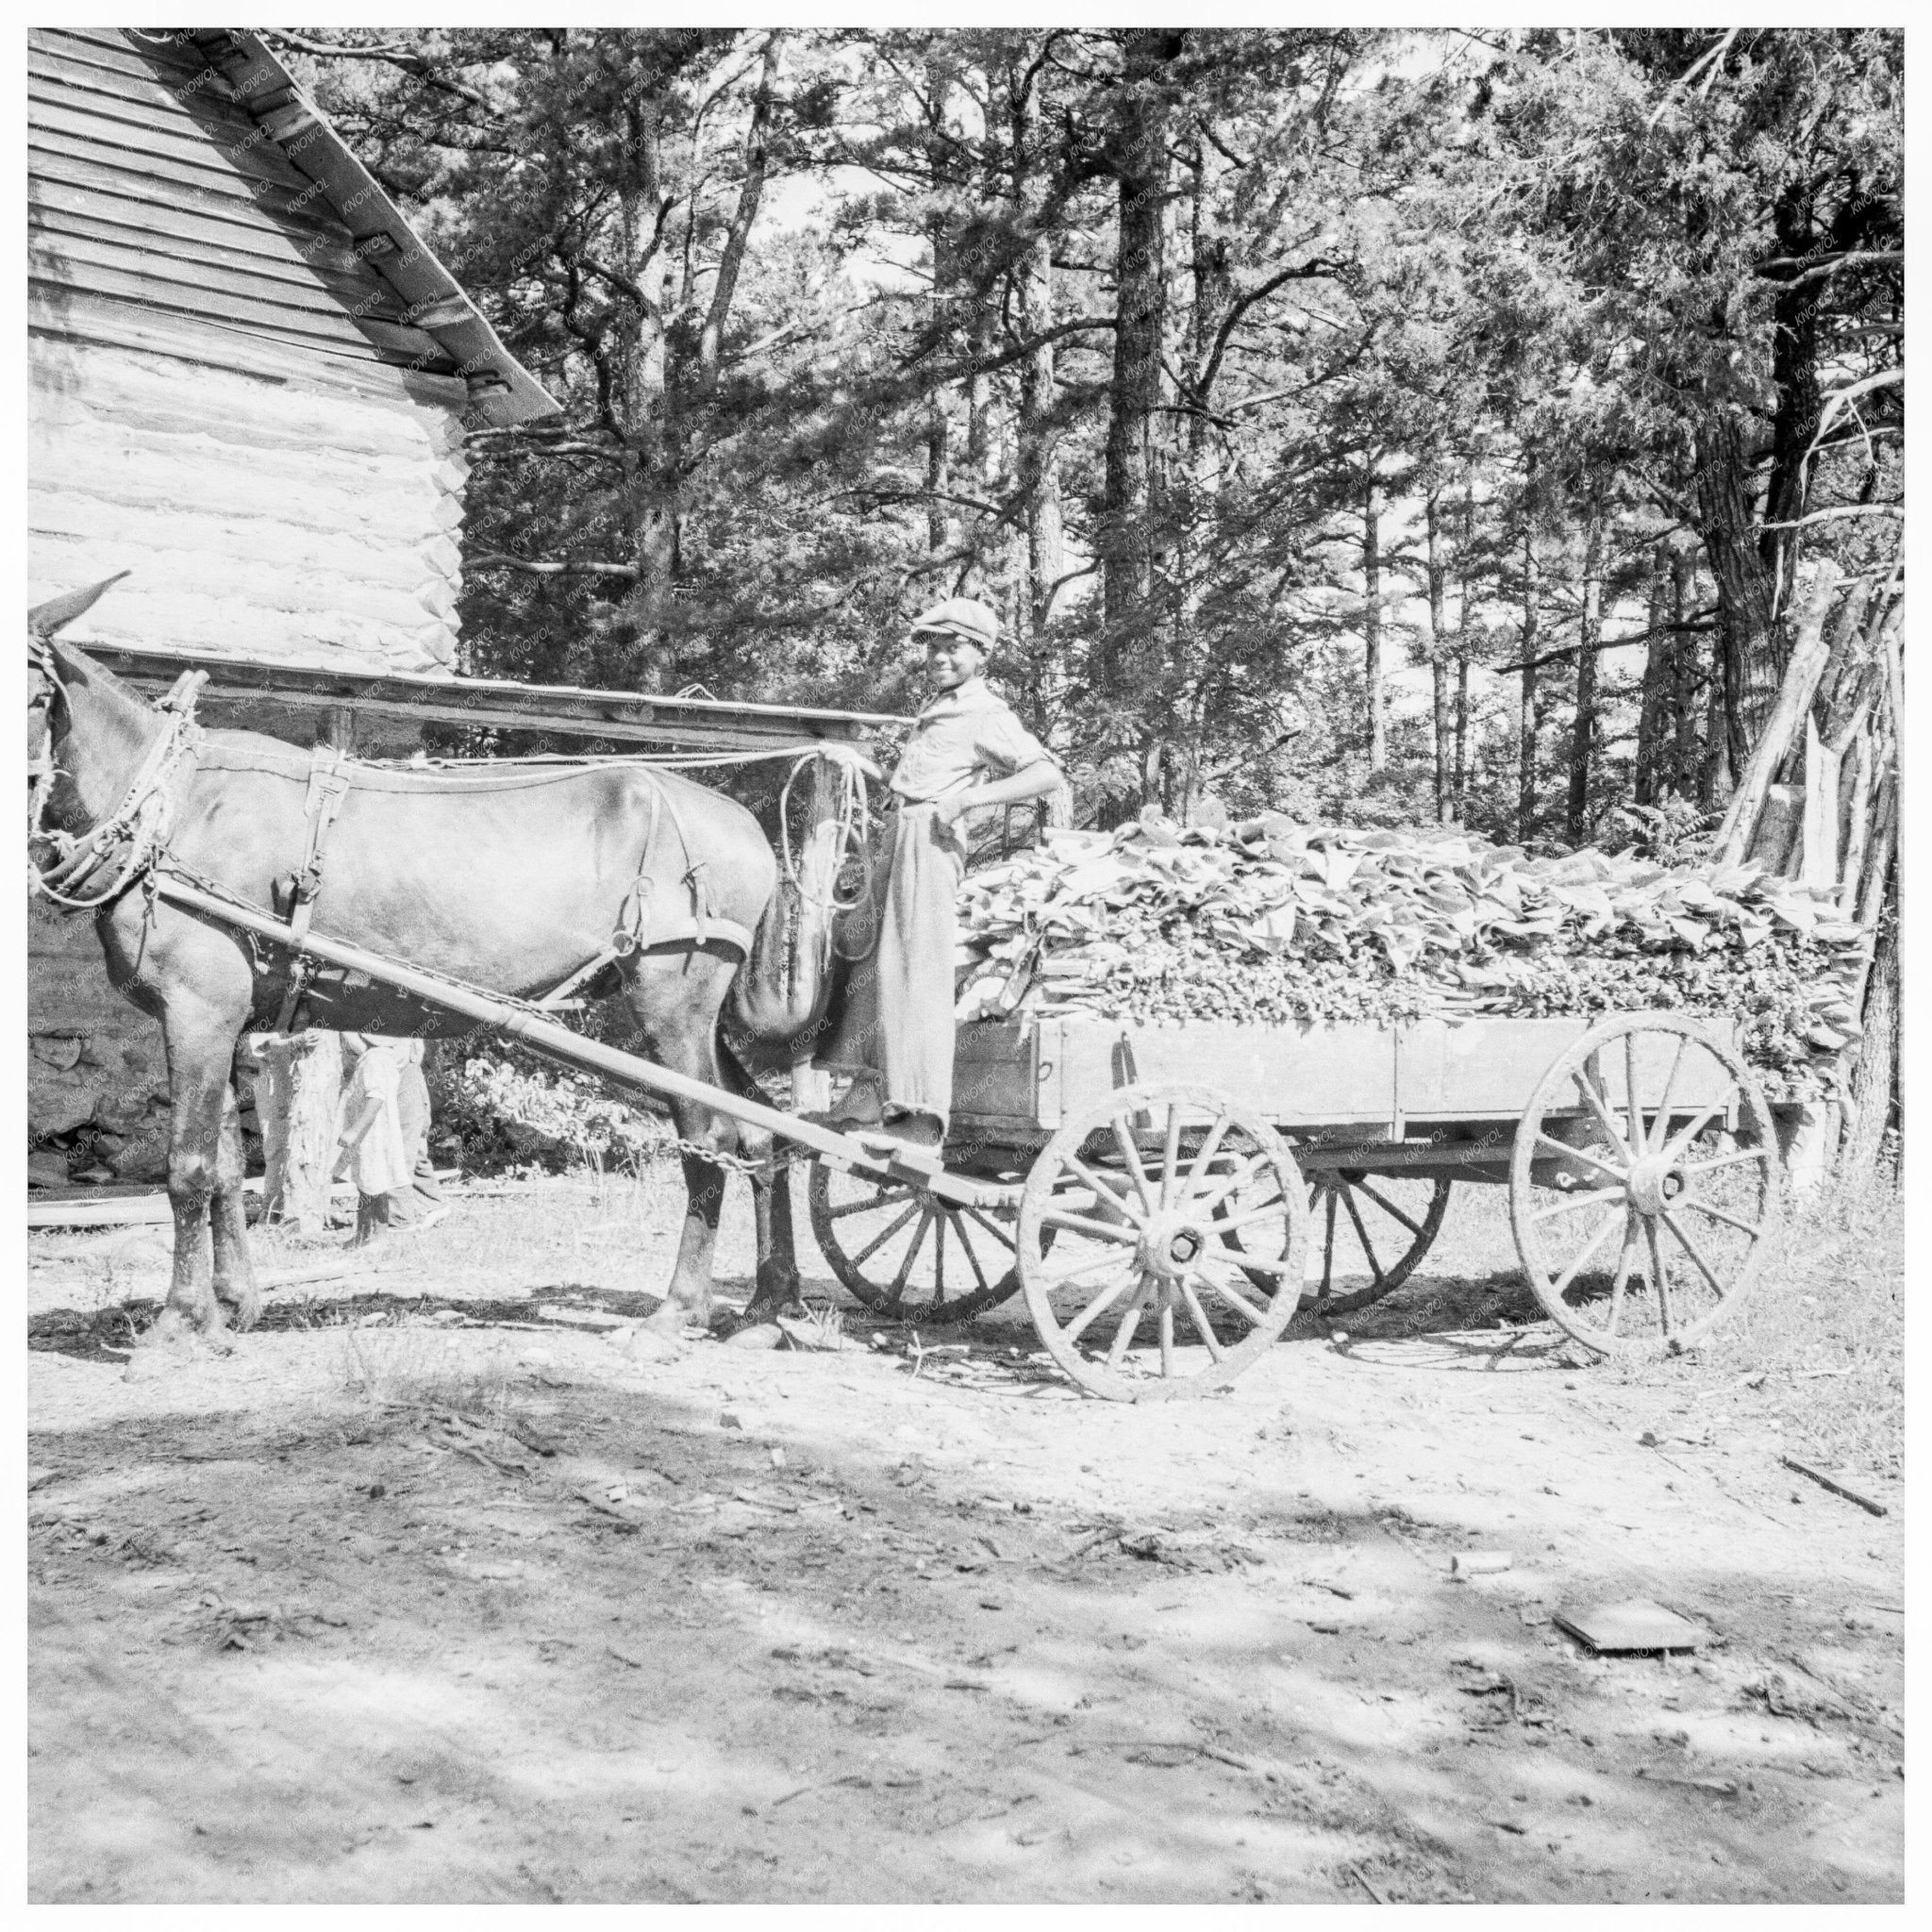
635,930
328,784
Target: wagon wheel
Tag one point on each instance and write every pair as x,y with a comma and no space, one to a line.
907,1253
1642,1218
1138,1191
1380,1226
1384,1223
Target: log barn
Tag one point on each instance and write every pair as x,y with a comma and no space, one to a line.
250,382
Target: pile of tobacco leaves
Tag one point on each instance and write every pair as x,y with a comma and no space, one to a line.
1271,922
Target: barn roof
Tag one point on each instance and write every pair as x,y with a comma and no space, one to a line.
184,195
501,389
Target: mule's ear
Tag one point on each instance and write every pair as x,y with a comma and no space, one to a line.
43,619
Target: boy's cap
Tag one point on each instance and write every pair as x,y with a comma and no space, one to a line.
961,617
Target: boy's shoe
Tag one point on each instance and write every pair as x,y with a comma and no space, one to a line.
912,1128
860,1108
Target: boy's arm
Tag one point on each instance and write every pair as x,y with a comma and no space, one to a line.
1030,781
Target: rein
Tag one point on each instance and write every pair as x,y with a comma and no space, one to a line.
138,825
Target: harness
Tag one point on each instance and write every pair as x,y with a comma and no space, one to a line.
328,784
130,841
130,844
330,775
634,912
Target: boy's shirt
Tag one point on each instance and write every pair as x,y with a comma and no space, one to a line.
964,733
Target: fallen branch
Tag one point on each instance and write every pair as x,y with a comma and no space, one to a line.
1220,1757
830,1784
1837,1489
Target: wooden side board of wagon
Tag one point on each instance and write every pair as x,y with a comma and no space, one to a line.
1207,1180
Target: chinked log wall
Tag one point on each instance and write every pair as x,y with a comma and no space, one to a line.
226,401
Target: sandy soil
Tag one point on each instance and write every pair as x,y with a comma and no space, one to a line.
403,1603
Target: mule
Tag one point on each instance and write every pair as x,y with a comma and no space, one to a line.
511,881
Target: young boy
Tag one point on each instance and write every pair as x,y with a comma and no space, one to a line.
967,752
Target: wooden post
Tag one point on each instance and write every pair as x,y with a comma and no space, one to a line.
1855,810
1808,657
1820,851
298,1103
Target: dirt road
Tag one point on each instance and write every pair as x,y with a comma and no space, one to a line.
433,1608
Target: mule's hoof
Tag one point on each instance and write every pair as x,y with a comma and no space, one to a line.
667,1319
244,1311
755,1335
169,1346
803,1332
645,1343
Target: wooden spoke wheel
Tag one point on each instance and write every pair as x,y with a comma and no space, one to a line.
907,1253
1646,1189
1371,1229
1369,1233
1123,1240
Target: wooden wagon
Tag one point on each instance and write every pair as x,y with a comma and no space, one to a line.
1115,1173
1210,1179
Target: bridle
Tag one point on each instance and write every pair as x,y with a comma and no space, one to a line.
46,686
128,843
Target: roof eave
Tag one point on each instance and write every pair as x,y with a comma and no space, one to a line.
502,391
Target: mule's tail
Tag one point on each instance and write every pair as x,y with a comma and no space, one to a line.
784,986
779,1002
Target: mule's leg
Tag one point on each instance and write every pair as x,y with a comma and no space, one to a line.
201,1051
776,1281
676,1002
234,1269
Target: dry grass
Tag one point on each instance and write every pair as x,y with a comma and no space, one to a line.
587,1228
1826,1331
415,1367
1815,1357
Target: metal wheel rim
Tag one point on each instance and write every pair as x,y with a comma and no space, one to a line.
1175,1319
1645,1240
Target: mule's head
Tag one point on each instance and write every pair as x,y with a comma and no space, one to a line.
45,687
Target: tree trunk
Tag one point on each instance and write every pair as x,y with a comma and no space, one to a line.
1686,685
1590,634
750,193
1874,1076
1462,784
1751,650
1794,352
1525,707
1195,507
1035,455
939,428
1372,624
1439,668
646,401
1461,813
1650,775
1140,168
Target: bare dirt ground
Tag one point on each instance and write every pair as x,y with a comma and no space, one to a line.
432,1592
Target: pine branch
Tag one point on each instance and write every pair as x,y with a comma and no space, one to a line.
543,567
387,54
1837,512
